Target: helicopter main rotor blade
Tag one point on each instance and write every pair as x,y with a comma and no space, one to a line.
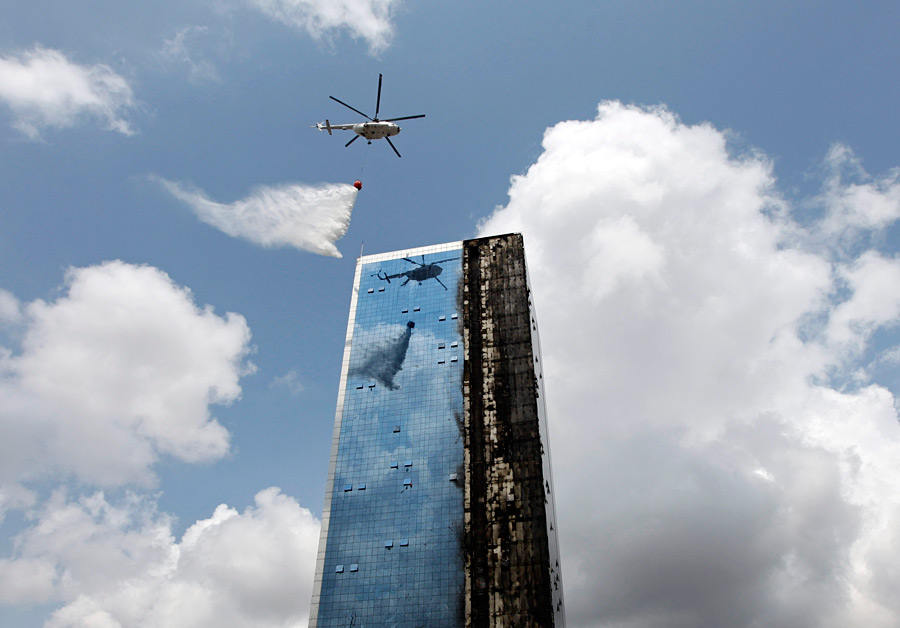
378,100
351,108
392,145
421,115
355,137
441,261
413,261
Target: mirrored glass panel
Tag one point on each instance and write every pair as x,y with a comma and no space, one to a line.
401,535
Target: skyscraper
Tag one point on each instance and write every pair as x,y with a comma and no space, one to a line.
439,501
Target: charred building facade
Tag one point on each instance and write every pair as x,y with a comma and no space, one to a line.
439,501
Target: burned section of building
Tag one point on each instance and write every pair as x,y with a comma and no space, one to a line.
512,559
439,503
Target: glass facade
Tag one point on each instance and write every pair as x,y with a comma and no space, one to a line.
391,548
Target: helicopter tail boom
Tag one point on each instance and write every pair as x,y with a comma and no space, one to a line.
327,126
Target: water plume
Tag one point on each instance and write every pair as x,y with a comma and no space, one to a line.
307,217
382,353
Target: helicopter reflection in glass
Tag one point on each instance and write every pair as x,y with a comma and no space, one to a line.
421,272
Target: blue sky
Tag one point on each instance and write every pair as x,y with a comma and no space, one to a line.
709,196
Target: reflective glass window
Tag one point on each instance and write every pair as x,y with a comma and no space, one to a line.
396,381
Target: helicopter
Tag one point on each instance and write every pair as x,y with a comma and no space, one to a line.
421,273
374,129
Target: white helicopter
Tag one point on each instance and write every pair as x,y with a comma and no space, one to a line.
374,129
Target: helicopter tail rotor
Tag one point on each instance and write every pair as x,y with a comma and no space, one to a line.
382,275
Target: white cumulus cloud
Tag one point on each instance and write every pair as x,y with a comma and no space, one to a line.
44,89
713,467
119,370
364,19
875,302
10,309
117,563
308,217
290,382
178,51
852,200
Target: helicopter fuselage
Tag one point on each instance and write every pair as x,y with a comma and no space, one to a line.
421,273
376,130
